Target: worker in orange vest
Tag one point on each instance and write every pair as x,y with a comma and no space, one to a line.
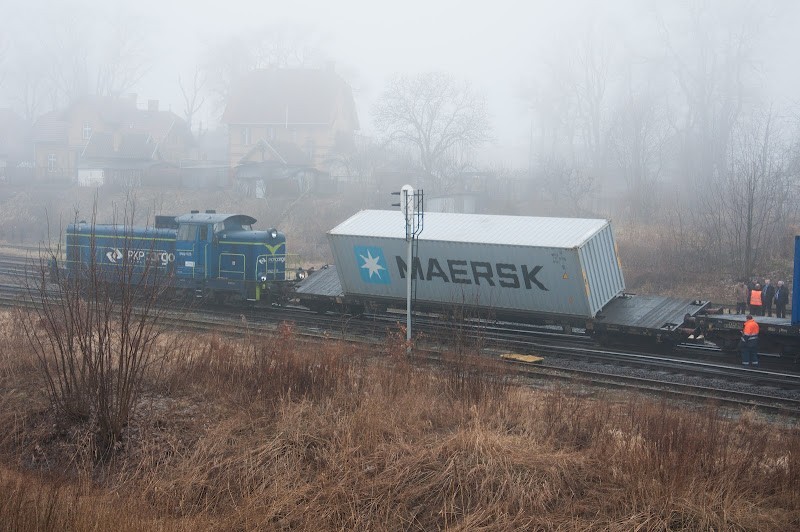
749,343
755,301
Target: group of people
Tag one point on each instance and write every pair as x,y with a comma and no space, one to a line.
760,299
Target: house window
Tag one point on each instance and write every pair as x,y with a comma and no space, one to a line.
246,136
87,131
272,133
51,162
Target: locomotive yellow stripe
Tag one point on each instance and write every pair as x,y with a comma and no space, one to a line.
123,237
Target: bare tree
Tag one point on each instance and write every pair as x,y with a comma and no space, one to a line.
69,60
709,57
286,46
124,61
749,203
637,141
79,55
95,329
566,185
590,84
27,84
192,98
436,115
272,46
569,113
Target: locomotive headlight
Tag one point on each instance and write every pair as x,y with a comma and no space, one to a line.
263,278
273,233
300,275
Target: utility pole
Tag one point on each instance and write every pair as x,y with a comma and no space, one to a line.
411,205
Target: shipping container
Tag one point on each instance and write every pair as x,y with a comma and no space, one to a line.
554,266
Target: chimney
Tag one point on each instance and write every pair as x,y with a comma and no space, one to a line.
152,105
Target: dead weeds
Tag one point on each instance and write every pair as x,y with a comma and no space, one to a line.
278,433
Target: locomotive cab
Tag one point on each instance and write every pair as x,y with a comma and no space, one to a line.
222,257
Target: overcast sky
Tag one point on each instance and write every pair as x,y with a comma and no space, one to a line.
499,46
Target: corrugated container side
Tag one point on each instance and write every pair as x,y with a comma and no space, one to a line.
604,277
578,279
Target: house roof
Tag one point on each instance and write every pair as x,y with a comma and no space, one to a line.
50,128
122,114
158,124
132,146
290,96
113,111
283,153
100,145
136,146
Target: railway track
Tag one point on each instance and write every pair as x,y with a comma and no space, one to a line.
723,384
569,358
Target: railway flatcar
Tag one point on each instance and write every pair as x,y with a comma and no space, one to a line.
208,255
551,271
776,335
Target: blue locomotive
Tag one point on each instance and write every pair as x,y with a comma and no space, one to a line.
207,254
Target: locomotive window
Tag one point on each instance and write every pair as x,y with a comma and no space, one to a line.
187,232
232,225
203,232
219,227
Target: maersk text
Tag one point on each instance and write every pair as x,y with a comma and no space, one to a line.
469,272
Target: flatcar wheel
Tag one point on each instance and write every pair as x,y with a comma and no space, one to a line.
665,346
319,308
729,345
354,310
602,340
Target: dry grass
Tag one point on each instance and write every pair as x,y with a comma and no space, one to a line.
275,433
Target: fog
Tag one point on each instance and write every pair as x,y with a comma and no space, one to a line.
676,115
503,48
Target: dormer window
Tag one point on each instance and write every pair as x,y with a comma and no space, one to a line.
87,131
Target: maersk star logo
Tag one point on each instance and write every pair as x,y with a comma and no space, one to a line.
372,264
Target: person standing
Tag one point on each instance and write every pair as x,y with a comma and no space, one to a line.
781,299
740,293
755,300
767,296
749,344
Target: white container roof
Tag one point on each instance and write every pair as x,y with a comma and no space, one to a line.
564,233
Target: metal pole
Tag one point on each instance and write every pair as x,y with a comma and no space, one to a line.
408,296
408,210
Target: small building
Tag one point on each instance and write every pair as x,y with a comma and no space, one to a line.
116,129
136,161
289,122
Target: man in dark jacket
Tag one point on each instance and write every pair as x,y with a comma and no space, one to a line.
741,294
767,296
781,299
